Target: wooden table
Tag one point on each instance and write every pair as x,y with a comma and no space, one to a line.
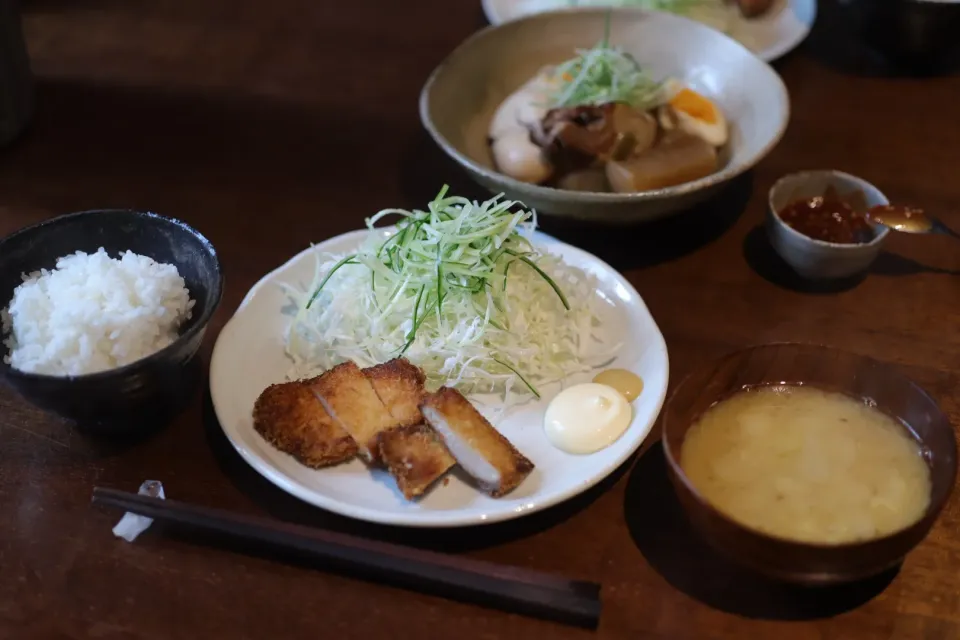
272,124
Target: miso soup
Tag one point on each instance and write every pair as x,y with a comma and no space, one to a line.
808,465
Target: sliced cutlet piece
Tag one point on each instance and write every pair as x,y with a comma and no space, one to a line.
415,456
480,449
289,417
399,385
349,398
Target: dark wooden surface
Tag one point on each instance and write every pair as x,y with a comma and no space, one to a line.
272,124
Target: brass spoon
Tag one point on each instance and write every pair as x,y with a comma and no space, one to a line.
908,220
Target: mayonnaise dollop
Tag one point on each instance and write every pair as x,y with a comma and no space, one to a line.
586,418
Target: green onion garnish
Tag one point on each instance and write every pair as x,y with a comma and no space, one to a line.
605,74
435,291
347,260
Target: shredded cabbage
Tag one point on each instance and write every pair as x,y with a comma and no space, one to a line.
459,290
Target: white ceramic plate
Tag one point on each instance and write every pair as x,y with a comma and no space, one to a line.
770,36
249,356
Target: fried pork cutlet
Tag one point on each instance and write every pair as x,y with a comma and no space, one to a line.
480,449
349,398
290,418
415,456
399,385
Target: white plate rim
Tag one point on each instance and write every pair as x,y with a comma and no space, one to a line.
769,54
435,519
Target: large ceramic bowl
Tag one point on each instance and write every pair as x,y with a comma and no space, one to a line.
460,97
147,391
830,369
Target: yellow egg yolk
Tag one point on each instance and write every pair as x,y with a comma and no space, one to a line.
695,105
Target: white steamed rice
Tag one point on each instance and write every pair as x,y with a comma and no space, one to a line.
93,313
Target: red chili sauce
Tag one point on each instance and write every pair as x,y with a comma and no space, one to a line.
828,219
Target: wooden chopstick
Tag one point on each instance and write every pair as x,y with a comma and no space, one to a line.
510,589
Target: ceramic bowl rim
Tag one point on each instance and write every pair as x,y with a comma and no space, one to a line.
932,512
724,175
216,291
837,246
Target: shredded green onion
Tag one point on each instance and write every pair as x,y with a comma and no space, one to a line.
533,389
435,291
344,261
605,74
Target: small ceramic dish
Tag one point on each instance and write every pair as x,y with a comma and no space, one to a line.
817,259
830,369
149,390
461,96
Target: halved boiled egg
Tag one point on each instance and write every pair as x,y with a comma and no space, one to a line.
695,114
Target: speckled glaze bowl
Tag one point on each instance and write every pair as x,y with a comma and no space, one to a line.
148,391
816,259
460,97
